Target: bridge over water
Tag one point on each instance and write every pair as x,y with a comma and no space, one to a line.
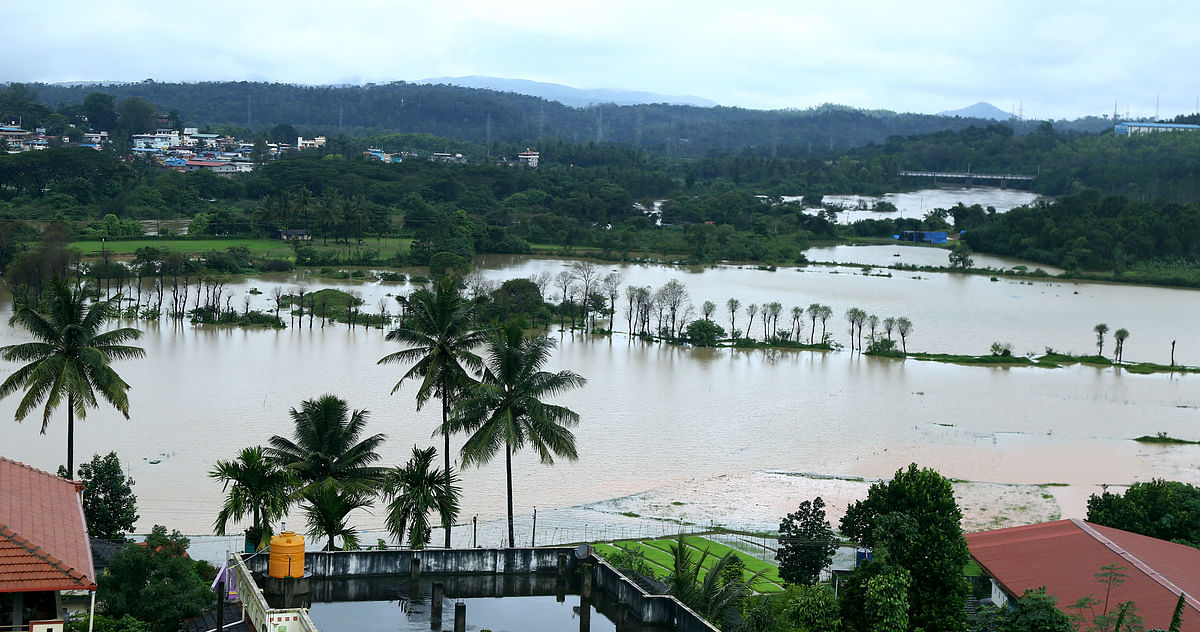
989,178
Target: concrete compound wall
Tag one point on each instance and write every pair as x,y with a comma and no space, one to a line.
609,584
610,588
459,561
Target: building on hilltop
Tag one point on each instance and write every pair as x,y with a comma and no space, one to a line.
528,158
310,143
46,568
1065,555
1129,128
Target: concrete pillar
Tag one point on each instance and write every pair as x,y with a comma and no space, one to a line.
460,617
585,614
562,564
560,590
414,569
436,603
585,588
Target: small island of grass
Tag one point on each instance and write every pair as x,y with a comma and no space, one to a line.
1163,437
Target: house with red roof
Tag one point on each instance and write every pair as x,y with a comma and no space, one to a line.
1065,556
45,557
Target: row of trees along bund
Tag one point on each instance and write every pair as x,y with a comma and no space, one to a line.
160,282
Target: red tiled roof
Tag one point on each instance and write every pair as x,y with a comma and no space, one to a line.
1065,555
43,535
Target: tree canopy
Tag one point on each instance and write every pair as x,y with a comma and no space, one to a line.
914,523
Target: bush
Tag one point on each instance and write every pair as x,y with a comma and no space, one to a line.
176,592
704,333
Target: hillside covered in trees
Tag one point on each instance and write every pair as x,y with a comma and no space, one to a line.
480,116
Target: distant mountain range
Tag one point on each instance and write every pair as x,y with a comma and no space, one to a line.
981,110
574,97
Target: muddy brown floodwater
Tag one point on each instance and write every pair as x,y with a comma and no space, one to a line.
657,416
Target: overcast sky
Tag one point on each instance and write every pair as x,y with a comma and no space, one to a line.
1054,58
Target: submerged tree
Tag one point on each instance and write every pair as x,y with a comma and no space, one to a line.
1120,335
904,327
506,411
70,358
1100,330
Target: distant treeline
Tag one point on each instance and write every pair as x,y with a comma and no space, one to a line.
1128,205
484,116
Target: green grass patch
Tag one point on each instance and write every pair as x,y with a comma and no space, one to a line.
1066,358
658,554
1163,437
987,360
190,246
770,572
972,569
275,248
1146,368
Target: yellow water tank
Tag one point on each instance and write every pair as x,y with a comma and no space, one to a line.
287,555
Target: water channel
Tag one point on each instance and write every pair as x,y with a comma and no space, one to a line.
654,414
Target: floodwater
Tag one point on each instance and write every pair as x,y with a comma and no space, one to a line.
507,614
916,204
654,414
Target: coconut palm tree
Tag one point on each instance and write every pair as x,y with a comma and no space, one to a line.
440,343
255,487
325,449
333,465
414,491
715,595
70,357
326,508
506,411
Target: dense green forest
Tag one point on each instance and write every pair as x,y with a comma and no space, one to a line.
1124,207
481,116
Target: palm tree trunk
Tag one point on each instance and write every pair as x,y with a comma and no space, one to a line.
508,471
70,436
446,454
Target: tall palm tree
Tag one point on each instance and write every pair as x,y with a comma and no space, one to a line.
505,410
325,449
414,491
256,487
440,342
70,357
326,508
